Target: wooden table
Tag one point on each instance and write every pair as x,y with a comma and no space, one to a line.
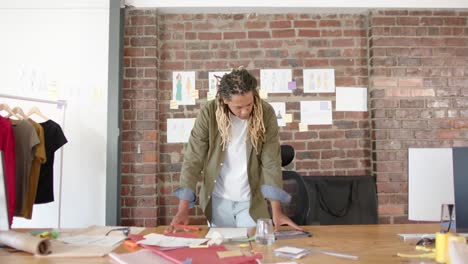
372,243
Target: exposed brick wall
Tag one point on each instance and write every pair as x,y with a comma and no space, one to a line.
409,96
212,42
140,133
418,89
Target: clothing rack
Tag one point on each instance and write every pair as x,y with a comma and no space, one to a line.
61,104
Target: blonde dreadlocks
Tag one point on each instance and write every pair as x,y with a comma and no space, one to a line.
239,82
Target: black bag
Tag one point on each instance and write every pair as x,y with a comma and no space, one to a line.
339,200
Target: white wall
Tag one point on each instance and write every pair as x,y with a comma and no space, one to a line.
62,53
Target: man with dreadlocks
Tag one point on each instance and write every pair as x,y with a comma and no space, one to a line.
234,151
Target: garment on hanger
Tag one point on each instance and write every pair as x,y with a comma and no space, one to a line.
25,140
7,146
38,159
54,139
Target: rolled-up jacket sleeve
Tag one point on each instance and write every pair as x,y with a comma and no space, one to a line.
185,194
274,193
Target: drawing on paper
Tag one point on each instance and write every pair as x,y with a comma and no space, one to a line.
183,84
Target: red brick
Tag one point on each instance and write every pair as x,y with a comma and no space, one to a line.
330,23
309,33
286,33
383,21
410,82
255,24
280,24
234,35
408,21
258,34
455,21
391,209
331,33
342,42
305,23
384,82
209,36
345,164
247,44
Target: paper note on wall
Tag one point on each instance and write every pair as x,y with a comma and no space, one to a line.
276,80
351,99
280,111
316,112
179,129
183,83
319,80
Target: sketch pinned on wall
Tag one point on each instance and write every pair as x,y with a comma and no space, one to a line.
316,112
183,85
319,80
276,81
353,99
180,129
213,81
280,111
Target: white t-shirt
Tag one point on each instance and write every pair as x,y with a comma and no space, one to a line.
233,182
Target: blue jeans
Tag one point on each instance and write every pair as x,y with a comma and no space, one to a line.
227,213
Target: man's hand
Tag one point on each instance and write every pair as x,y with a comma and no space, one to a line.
182,217
279,218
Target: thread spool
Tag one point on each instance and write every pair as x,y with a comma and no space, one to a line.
455,239
441,247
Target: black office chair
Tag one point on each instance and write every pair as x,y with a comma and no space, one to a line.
298,210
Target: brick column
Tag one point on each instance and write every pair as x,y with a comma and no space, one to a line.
140,119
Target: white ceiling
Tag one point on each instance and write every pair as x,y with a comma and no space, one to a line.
285,6
238,6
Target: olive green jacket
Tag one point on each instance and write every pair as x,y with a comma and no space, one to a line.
204,157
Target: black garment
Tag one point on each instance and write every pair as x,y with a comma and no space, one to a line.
54,139
342,200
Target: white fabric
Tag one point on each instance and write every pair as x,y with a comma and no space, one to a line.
233,182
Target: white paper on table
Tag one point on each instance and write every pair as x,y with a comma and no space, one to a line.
102,241
353,99
178,129
316,112
280,111
142,256
183,84
290,250
430,182
169,241
228,232
319,80
275,81
213,81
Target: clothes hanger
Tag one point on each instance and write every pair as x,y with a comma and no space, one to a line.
6,108
37,111
18,113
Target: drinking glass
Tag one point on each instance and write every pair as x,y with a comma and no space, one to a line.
265,234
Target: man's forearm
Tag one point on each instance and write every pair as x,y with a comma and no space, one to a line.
275,207
183,205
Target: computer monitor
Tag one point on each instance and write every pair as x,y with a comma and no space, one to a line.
4,219
460,180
